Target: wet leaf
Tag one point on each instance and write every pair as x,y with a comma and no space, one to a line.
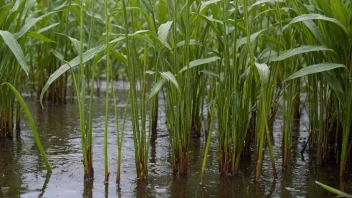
30,23
306,17
163,32
119,56
170,77
253,36
313,69
39,37
88,55
156,88
300,50
205,4
16,49
199,62
260,2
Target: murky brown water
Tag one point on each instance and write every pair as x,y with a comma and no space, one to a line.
22,172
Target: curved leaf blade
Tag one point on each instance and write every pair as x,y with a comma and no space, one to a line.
88,55
30,23
170,77
333,190
199,62
156,88
300,50
313,69
163,32
16,49
32,124
306,17
40,37
253,36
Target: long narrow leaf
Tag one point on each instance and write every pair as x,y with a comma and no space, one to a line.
88,55
16,49
333,190
198,62
300,50
313,69
170,77
306,17
31,123
156,88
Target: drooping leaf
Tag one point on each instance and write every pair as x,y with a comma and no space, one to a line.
88,55
198,62
47,28
39,37
205,4
333,82
163,31
315,31
156,88
119,56
16,49
313,69
267,55
30,23
260,2
300,50
333,190
58,55
335,85
306,17
32,124
170,77
210,73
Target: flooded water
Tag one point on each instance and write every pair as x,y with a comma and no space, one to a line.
22,171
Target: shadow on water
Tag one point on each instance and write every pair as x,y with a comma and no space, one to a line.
22,172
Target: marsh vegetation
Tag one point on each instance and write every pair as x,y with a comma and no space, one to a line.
219,70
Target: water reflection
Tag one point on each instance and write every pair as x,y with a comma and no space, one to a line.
22,172
179,185
47,179
88,189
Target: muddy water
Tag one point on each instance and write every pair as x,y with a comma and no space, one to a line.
22,172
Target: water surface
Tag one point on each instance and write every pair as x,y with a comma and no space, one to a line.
22,171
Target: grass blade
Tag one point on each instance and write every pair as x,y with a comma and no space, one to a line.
31,123
300,50
313,69
333,190
16,49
